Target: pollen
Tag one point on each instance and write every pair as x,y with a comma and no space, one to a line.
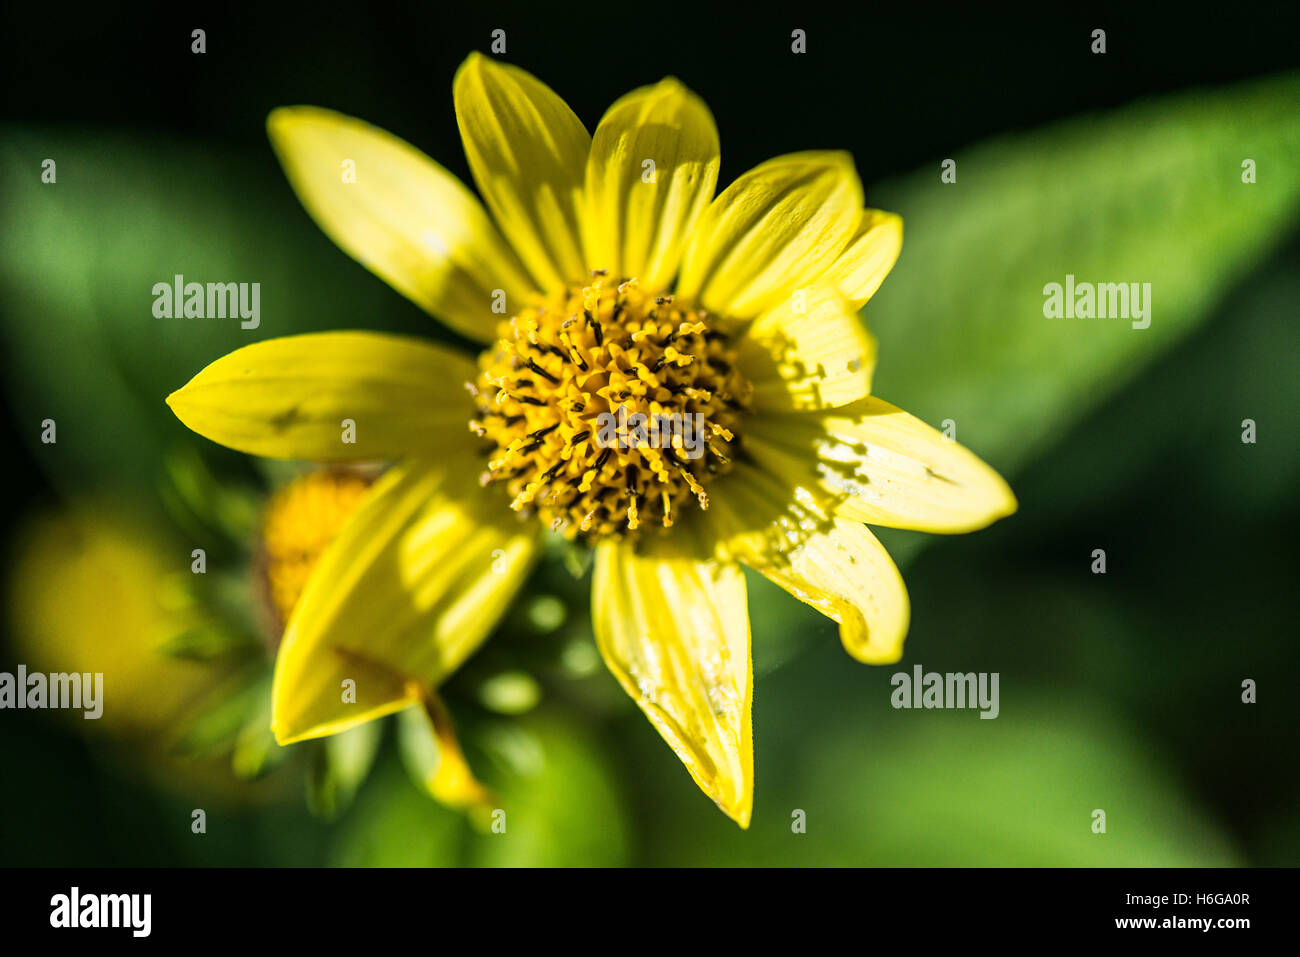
299,522
607,410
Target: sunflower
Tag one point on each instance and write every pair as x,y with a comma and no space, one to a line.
606,282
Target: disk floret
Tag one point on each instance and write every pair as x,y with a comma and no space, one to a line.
608,409
300,521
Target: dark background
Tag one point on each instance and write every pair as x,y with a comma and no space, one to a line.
895,89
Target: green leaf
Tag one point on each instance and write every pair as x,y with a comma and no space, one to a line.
1021,790
945,788
1241,366
339,766
1150,193
395,825
79,259
418,745
256,751
559,806
216,727
203,505
208,641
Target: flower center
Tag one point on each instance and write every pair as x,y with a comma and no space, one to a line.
299,522
608,408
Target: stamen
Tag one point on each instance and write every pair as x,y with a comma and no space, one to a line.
607,369
532,364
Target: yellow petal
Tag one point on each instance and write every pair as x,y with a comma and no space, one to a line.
639,215
834,565
291,398
401,597
528,154
809,352
778,227
884,467
673,628
863,266
400,215
432,751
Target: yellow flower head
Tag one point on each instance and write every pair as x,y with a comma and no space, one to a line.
564,375
299,522
611,289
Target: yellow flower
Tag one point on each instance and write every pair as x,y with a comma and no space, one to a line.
91,591
604,278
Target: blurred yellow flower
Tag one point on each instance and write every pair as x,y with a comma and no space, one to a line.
607,283
92,591
298,523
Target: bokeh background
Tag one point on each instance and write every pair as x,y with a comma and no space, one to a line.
1119,691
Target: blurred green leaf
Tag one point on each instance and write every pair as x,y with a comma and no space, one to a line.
1185,418
210,640
204,505
256,750
561,807
215,727
78,262
339,765
1149,193
393,824
949,789
1023,787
